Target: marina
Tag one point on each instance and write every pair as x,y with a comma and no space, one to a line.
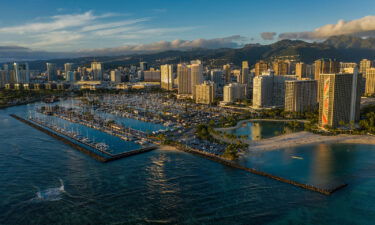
169,174
98,151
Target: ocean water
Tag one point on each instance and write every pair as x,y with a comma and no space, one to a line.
43,181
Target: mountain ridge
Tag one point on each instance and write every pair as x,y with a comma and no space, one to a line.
343,48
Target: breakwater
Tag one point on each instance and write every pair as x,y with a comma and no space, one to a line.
100,156
219,159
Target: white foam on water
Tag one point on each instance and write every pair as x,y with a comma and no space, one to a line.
50,194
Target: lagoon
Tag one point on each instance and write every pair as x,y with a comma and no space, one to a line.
257,130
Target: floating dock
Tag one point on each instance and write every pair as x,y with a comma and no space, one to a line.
96,154
221,160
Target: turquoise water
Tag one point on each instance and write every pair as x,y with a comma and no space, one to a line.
260,130
167,187
115,144
321,165
146,127
136,124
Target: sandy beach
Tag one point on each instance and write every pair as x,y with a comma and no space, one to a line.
167,148
307,138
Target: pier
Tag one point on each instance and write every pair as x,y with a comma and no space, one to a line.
101,156
223,161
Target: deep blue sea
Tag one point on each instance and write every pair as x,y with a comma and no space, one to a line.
44,181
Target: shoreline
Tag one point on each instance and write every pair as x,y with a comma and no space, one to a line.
306,138
167,148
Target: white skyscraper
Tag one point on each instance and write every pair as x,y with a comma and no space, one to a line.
21,72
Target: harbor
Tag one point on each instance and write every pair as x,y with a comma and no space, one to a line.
95,150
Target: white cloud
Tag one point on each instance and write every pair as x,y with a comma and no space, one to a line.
364,26
116,31
57,23
102,26
80,31
60,38
226,42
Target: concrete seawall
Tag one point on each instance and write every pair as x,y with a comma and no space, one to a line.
221,160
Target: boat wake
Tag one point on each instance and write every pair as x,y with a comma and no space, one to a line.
50,194
296,157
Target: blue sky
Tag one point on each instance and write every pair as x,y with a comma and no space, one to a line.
71,25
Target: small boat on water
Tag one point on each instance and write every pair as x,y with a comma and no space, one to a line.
296,157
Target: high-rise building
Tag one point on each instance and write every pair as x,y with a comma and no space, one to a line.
280,67
4,78
5,66
51,72
227,73
152,75
196,75
97,70
21,73
143,66
301,95
263,91
205,93
370,82
70,76
326,66
261,67
184,79
364,64
245,73
216,75
68,67
234,92
116,76
339,98
166,73
301,70
348,65
269,90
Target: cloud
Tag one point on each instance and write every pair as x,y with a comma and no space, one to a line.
69,32
234,41
55,38
16,53
102,26
364,27
268,35
57,23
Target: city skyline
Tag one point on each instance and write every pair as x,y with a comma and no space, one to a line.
163,25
